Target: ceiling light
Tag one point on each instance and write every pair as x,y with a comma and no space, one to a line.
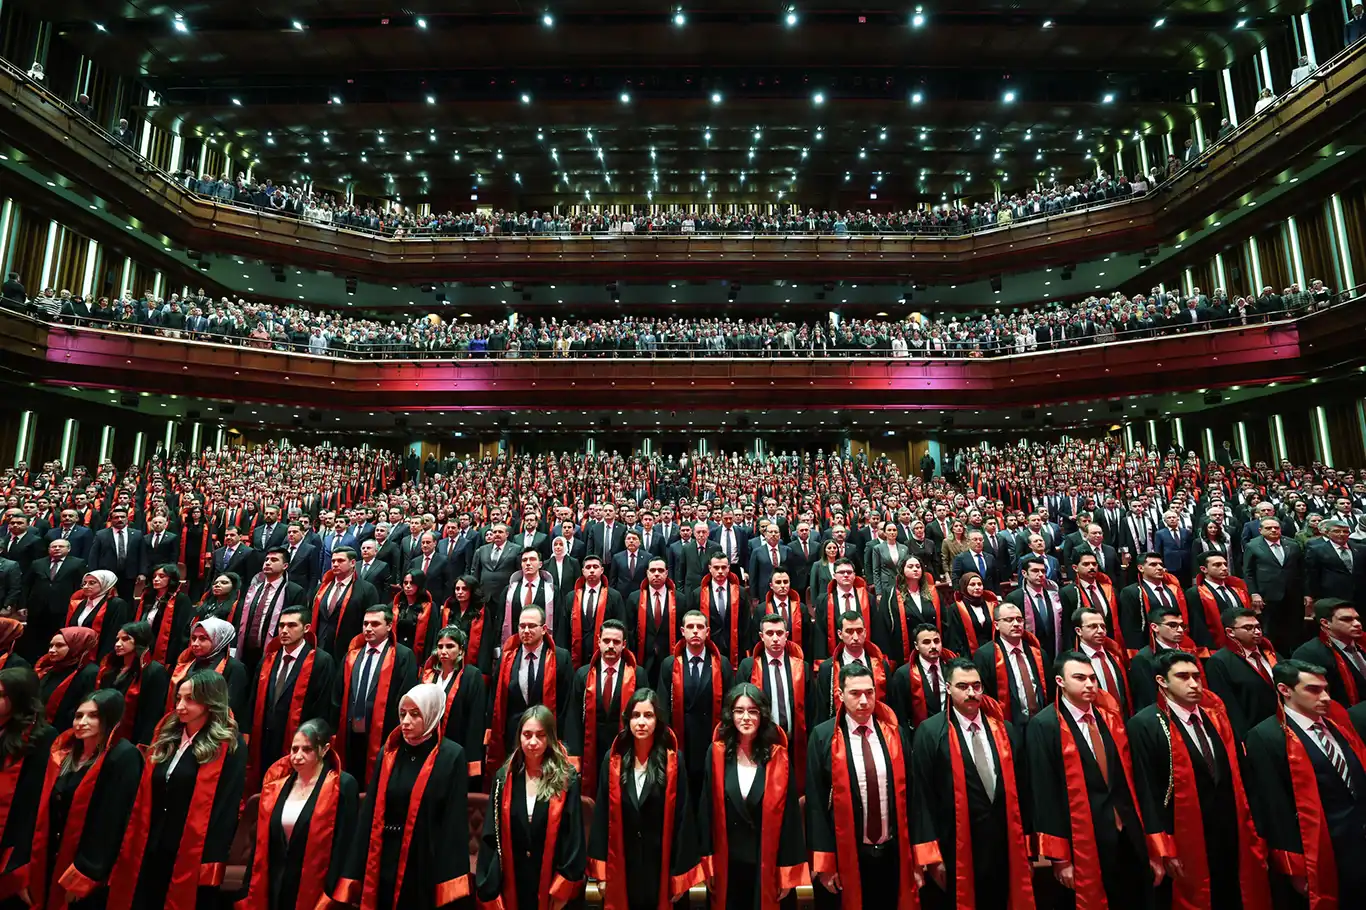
625,97
707,136
180,24
1008,97
918,20
791,18
818,98
715,97
1109,98
237,102
99,26
1240,23
298,26
917,97
431,99
679,19
421,23
1161,21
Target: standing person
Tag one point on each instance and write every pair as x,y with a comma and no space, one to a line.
466,698
971,620
166,609
964,770
416,617
1338,650
600,688
748,818
697,677
777,667
25,739
532,854
210,648
371,682
1306,777
220,600
294,685
465,609
68,672
581,615
1083,807
11,630
305,820
531,671
1240,673
409,848
642,816
1273,568
656,621
910,602
858,788
96,606
1012,667
130,670
1188,780
917,690
91,780
183,821
340,603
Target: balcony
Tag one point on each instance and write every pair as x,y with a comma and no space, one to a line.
1324,113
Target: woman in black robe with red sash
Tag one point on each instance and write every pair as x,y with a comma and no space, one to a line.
304,824
532,855
166,608
642,815
175,848
410,851
25,737
416,618
68,672
142,681
88,789
465,609
466,699
194,548
749,825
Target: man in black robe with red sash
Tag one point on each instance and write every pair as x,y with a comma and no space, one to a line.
653,620
600,688
725,602
918,690
1082,803
376,674
294,684
777,667
339,602
1338,650
1187,775
531,671
1240,672
692,682
1012,667
1307,785
967,817
581,614
858,799
854,648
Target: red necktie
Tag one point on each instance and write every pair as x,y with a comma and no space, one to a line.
659,609
873,795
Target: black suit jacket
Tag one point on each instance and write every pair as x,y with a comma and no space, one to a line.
240,563
166,551
621,579
80,538
103,556
1326,575
967,562
27,548
377,575
303,567
607,549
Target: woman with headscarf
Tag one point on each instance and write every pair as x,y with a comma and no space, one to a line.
972,622
130,670
67,672
91,780
11,630
532,856
210,642
175,847
220,601
25,736
304,823
95,606
166,608
414,811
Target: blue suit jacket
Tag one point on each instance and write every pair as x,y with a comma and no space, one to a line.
1174,548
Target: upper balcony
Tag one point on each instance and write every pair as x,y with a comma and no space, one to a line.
1316,125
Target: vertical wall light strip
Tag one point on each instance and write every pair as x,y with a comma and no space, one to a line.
1170,144
1325,441
1188,281
1129,436
196,436
1308,36
1142,154
49,250
177,147
147,127
1361,421
203,157
1256,262
92,252
1152,433
1242,442
1232,110
218,439
139,447
1278,438
125,283
1344,251
1209,443
157,281
169,439
1199,127
1265,57
21,444
1293,232
1219,270
69,430
6,215
106,443
1179,431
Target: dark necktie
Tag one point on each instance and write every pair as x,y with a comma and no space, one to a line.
1026,682
1202,739
934,685
282,677
779,696
873,796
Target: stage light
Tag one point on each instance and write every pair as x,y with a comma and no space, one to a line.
791,18
818,99
917,97
547,20
715,97
1008,97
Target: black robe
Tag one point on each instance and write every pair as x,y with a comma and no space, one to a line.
81,686
286,856
151,702
1249,698
528,839
317,703
16,839
464,722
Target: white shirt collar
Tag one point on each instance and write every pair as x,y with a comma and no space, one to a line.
1303,721
1183,714
852,726
963,723
1077,713
294,651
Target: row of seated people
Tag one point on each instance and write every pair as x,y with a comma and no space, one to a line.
1095,320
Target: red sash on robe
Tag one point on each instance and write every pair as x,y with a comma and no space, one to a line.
1021,874
588,764
551,883
1187,842
676,685
929,592
797,669
160,647
324,588
374,737
965,616
317,848
97,623
1107,590
794,612
644,610
296,704
110,668
1171,583
841,803
431,673
182,670
1349,683
1212,611
474,636
71,884
190,872
733,610
879,670
424,621
54,701
833,609
576,619
494,749
1002,694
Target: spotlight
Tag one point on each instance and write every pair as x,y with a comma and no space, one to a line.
625,97
679,19
547,20
715,97
917,97
1008,97
421,23
791,18
818,98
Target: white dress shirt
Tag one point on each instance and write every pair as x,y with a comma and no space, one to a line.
879,766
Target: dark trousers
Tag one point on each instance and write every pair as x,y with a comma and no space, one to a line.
879,877
1283,621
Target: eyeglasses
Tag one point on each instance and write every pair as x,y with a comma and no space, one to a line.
746,712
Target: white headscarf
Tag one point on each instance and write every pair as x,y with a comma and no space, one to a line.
107,582
430,701
220,632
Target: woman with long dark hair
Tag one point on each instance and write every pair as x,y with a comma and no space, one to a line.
466,698
11,630
142,681
97,606
68,672
220,601
91,780
167,610
194,548
532,855
955,543
822,573
642,814
183,821
409,848
465,608
416,619
304,823
749,824
210,649
911,602
25,736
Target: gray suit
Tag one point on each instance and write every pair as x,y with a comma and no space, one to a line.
493,574
882,568
1281,586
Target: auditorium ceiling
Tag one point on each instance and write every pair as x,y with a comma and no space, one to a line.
574,101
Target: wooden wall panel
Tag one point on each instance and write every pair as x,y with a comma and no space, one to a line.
1274,254
1316,246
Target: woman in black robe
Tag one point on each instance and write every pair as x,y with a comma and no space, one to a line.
466,699
142,682
642,814
747,795
195,545
304,823
911,602
533,846
166,608
68,672
967,629
175,849
89,786
210,649
220,600
414,817
25,737
465,608
416,618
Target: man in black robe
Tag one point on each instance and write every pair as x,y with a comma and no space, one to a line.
1240,672
287,656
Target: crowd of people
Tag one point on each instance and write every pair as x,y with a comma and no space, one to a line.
1047,674
1095,320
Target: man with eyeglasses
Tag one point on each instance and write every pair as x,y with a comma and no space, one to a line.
1240,673
1166,631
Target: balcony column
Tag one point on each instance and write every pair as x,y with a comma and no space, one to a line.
70,429
23,447
139,447
106,443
